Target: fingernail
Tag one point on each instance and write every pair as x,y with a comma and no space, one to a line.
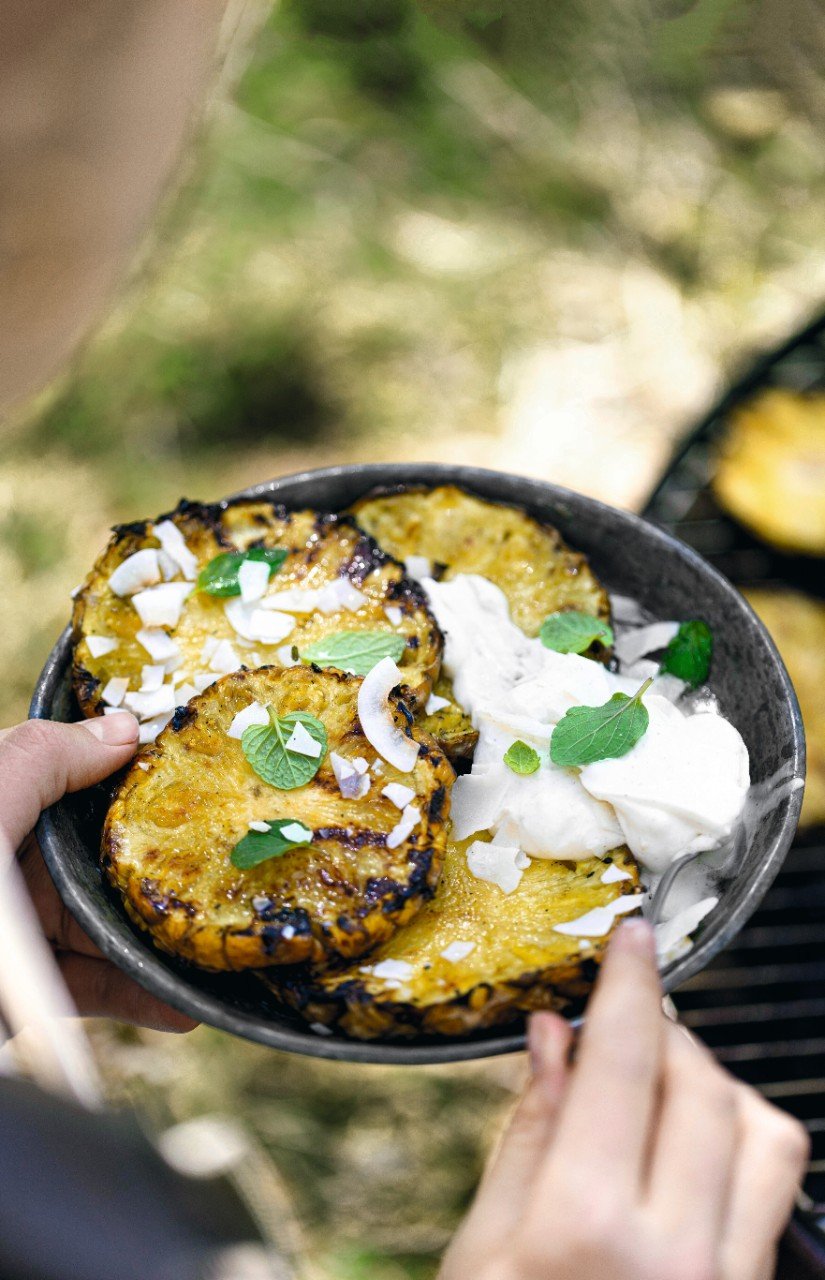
635,937
116,730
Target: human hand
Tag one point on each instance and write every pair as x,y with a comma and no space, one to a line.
40,761
642,1161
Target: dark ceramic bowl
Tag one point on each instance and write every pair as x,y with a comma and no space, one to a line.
632,558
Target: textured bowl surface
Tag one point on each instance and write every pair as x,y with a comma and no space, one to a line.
633,558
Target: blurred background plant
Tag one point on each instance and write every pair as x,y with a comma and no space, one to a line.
531,236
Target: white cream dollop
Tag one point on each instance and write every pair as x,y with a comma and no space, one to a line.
679,790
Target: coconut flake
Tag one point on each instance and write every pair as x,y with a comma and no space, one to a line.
612,874
254,623
360,763
184,693
174,545
114,691
632,645
202,680
161,606
254,713
210,644
407,823
393,612
158,645
340,594
135,572
147,706
150,729
253,580
375,714
395,970
418,567
458,950
284,655
293,599
298,832
225,659
351,782
673,936
599,921
499,864
151,678
168,568
436,703
302,742
99,646
398,794
263,827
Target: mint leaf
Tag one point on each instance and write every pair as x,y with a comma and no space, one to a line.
259,846
689,653
574,632
264,746
586,734
220,576
355,651
521,758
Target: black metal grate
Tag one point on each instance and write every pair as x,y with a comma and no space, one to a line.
761,1004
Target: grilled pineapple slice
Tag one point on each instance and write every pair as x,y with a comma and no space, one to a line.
322,548
797,625
770,471
189,798
518,962
451,727
459,533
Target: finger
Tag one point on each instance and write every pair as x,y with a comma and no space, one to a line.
501,1197
608,1106
57,922
100,990
41,760
694,1150
524,1142
771,1161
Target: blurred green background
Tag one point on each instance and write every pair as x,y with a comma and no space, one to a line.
526,235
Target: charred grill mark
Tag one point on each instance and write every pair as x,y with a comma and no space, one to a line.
407,591
366,558
404,709
161,902
183,716
379,887
135,529
436,807
324,521
351,837
86,685
333,879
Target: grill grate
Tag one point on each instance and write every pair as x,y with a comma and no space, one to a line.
760,1006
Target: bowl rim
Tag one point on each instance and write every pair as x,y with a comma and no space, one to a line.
142,962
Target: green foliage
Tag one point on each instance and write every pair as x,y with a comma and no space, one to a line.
355,651
587,734
221,576
522,758
265,747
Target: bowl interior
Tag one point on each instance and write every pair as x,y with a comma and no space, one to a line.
633,558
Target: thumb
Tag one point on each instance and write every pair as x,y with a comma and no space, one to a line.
41,760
